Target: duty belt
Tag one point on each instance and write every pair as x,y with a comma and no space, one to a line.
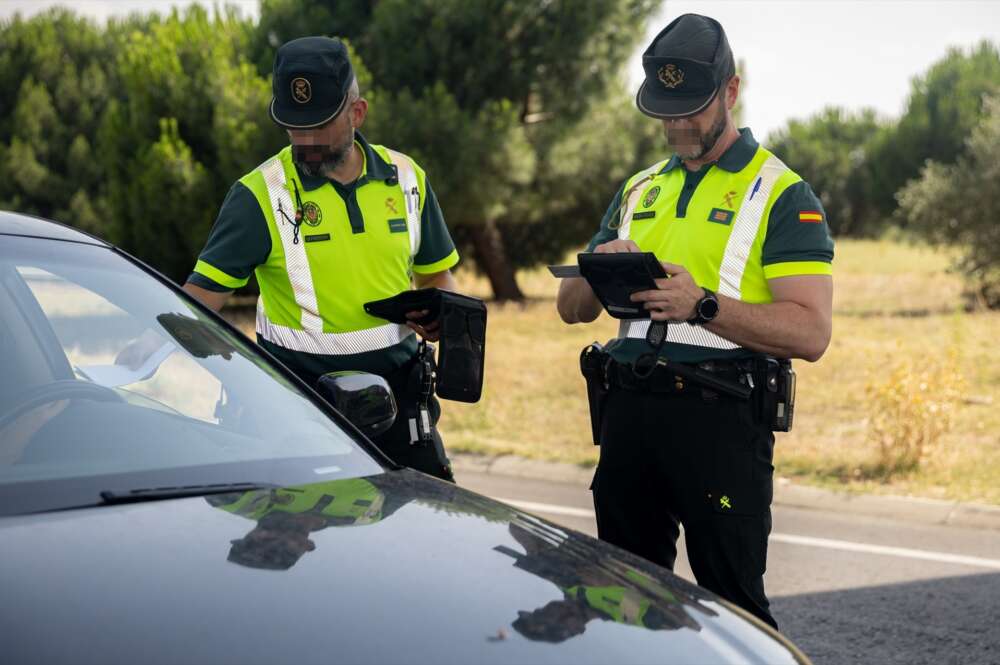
659,375
671,377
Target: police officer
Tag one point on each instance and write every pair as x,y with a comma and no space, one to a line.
329,223
748,254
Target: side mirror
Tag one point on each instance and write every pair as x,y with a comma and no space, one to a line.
364,399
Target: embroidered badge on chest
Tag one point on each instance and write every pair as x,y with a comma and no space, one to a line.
650,197
311,213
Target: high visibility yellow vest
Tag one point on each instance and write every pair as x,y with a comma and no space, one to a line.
724,256
314,284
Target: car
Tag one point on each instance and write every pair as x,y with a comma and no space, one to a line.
206,506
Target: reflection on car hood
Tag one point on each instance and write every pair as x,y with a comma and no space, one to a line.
391,568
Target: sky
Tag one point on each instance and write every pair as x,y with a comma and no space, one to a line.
800,55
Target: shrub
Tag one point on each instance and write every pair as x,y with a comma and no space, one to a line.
911,409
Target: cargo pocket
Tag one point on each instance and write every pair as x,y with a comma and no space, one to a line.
736,484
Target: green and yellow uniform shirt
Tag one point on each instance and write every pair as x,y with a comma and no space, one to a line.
355,243
733,225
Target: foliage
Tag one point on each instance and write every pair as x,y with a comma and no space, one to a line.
577,177
54,70
857,163
911,410
830,150
958,204
943,107
189,121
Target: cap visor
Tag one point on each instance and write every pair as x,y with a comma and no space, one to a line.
663,106
302,119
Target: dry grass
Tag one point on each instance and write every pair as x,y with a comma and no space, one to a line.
895,306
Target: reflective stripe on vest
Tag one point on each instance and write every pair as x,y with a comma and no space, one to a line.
311,338
330,344
630,199
734,260
411,195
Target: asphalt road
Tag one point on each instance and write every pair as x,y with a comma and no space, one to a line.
845,588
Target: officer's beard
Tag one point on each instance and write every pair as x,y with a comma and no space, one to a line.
319,160
677,139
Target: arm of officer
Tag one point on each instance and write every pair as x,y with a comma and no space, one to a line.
576,301
214,300
433,263
797,324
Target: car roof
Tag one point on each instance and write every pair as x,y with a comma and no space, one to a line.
17,224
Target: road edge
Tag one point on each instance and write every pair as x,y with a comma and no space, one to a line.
786,493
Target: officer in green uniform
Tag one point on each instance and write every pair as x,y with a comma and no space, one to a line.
329,223
745,244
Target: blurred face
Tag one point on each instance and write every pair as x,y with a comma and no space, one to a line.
322,149
694,137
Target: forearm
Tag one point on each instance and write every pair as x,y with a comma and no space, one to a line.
439,280
576,301
781,329
214,300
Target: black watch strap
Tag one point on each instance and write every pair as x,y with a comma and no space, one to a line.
705,309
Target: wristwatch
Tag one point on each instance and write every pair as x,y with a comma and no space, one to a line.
705,309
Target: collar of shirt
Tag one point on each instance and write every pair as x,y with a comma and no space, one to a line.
734,159
372,168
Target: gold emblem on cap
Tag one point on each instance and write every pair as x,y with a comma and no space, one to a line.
670,75
301,90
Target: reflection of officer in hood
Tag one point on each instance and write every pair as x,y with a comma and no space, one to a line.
287,516
591,591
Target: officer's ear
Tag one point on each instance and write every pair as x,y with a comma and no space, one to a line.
358,112
732,91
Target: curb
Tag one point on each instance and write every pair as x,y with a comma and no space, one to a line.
786,493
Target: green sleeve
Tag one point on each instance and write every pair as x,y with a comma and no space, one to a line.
606,233
238,243
437,250
798,240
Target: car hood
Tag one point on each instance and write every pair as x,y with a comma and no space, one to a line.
391,568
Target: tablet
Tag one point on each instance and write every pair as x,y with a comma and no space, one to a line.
615,277
394,309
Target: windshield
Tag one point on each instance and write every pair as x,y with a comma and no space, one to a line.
110,381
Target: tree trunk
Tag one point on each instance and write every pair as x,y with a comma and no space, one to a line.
492,259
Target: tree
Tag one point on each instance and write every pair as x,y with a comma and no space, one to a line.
943,107
56,72
189,118
956,204
830,151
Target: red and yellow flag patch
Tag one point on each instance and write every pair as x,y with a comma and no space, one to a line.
811,216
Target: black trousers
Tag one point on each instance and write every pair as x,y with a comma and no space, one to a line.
704,462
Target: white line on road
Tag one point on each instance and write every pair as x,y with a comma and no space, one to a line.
825,543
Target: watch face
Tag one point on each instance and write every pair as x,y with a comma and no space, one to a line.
708,308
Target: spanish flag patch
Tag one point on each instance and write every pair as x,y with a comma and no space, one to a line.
811,216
